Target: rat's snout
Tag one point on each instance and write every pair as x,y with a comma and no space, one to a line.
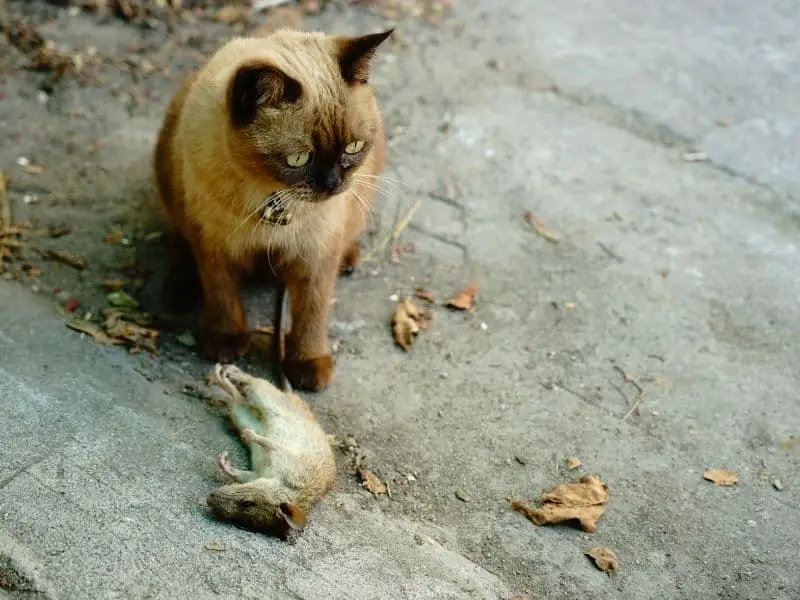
247,507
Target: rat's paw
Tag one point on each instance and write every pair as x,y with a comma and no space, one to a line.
248,435
312,375
225,463
223,347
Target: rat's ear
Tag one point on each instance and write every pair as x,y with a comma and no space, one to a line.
355,54
255,85
294,517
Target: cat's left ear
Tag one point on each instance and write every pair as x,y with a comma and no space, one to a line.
355,54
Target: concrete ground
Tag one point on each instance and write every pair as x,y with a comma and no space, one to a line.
684,274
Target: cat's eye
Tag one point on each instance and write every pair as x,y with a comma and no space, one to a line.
298,159
354,147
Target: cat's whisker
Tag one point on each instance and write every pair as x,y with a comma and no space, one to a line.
383,178
364,208
375,187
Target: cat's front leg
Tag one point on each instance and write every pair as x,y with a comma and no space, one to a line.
308,363
223,335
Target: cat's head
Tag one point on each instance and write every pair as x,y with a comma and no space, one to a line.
302,115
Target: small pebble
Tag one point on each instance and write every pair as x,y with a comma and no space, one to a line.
23,162
778,485
462,496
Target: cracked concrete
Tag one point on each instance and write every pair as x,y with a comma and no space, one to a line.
685,275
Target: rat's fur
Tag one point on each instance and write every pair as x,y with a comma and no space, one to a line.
233,202
292,464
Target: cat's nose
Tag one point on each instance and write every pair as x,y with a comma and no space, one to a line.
328,180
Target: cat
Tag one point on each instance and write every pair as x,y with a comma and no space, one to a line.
267,159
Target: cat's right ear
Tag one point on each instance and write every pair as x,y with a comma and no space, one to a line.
258,85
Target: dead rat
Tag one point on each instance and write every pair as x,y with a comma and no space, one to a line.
292,462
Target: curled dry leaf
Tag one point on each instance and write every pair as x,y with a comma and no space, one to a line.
584,501
721,477
68,258
465,299
424,294
573,462
371,482
604,559
537,226
112,285
408,320
93,330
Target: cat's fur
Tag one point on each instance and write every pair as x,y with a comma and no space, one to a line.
222,151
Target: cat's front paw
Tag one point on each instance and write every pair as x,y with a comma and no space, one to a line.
313,375
223,347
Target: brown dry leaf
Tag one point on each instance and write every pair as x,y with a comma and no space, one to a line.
115,237
5,221
131,328
280,17
95,331
113,285
215,547
424,295
371,482
721,477
59,230
68,258
33,169
573,462
5,206
584,501
408,320
309,7
539,227
465,299
232,13
604,559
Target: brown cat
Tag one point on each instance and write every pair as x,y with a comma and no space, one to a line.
267,160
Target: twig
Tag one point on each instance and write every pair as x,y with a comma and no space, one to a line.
639,392
538,227
5,206
610,252
398,229
634,405
5,218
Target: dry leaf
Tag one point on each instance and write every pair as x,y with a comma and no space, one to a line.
721,477
60,230
604,559
232,13
310,7
113,285
424,295
215,547
33,169
465,299
95,331
68,258
408,321
371,482
281,17
537,226
115,237
573,462
584,501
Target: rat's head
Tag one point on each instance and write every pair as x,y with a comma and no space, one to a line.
302,115
256,509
